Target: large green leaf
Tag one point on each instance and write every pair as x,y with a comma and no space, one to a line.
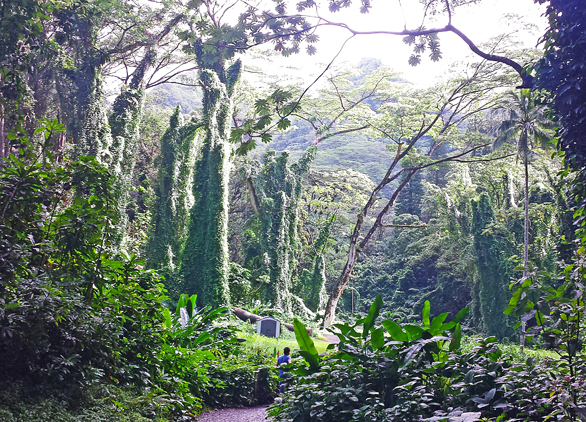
395,330
166,318
181,303
437,322
191,305
312,360
513,302
457,339
201,338
425,314
377,339
372,315
303,340
413,331
459,317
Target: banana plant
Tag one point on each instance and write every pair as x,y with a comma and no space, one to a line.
308,350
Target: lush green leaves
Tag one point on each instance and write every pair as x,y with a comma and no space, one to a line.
308,350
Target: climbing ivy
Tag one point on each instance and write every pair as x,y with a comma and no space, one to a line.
278,191
312,284
173,197
124,122
94,137
490,290
205,257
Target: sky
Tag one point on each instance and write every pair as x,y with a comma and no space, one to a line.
489,18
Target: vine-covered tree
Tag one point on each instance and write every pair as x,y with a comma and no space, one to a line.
205,257
491,289
173,197
277,192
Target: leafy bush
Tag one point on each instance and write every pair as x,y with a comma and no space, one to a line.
98,403
235,384
414,373
70,313
73,314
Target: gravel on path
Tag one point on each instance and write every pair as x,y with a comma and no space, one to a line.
243,414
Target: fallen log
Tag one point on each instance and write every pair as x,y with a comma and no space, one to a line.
252,318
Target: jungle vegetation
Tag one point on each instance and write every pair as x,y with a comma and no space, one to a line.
149,185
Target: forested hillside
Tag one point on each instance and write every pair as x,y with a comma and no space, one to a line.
160,187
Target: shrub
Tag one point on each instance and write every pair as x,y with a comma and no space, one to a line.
393,373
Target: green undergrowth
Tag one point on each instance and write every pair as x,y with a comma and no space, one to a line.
98,403
269,345
511,351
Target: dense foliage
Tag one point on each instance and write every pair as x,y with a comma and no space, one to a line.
74,317
420,372
129,229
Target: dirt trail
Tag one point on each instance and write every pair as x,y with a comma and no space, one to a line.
330,338
242,414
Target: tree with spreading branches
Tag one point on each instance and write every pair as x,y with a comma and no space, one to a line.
416,126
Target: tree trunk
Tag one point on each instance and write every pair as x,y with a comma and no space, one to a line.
2,146
356,248
205,256
525,237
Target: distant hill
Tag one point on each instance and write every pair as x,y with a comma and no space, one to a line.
172,95
351,151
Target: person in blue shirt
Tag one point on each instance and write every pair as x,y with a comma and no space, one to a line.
283,360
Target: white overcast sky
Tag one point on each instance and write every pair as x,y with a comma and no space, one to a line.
479,22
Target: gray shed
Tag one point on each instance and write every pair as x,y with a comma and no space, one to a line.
268,327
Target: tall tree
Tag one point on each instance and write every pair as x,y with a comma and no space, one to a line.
205,257
214,44
277,192
490,289
527,125
173,197
561,74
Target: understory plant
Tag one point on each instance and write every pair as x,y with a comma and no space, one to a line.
384,371
553,309
74,314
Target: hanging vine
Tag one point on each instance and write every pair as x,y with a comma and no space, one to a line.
490,289
312,284
277,189
94,137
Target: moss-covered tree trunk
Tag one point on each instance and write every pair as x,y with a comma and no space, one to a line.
173,198
278,188
93,136
312,285
205,256
494,272
124,125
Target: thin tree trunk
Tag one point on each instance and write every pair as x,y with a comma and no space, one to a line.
356,248
525,238
2,147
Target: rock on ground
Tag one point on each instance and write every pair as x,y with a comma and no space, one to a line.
243,414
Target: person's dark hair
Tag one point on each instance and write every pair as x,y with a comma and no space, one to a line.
287,350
